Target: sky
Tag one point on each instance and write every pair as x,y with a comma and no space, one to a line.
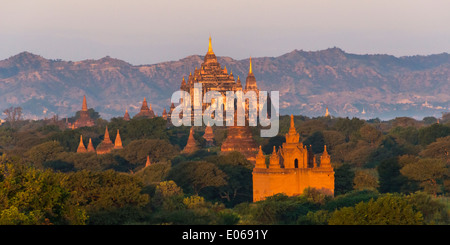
148,32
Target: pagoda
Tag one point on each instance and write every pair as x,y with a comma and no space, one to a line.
209,136
191,145
81,148
118,141
148,163
126,116
146,111
240,138
212,77
84,120
90,147
106,145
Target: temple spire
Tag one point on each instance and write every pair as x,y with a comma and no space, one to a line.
90,147
148,163
81,148
250,69
292,136
118,141
84,107
106,138
210,50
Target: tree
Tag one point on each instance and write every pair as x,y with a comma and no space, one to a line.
390,178
428,172
386,210
31,196
239,177
365,180
105,195
343,182
369,134
438,149
13,115
44,152
136,152
198,175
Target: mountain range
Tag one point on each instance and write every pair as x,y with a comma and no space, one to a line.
350,85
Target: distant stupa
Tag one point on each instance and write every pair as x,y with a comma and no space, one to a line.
191,145
106,145
118,141
327,113
81,148
126,117
146,111
90,147
84,120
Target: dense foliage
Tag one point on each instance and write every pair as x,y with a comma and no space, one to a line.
386,172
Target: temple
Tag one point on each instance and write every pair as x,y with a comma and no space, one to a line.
106,146
291,169
212,77
146,111
84,120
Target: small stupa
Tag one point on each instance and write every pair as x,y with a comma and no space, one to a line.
126,117
118,141
191,145
90,147
209,136
81,148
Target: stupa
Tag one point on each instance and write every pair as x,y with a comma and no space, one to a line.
106,146
240,139
191,145
81,148
209,136
90,147
118,141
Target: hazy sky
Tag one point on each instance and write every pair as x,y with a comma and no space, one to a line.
147,32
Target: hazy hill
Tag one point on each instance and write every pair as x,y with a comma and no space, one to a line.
383,85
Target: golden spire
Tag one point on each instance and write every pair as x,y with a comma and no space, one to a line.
292,136
118,141
250,69
210,50
81,147
84,107
260,153
90,147
106,137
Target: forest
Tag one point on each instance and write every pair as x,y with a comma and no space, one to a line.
393,172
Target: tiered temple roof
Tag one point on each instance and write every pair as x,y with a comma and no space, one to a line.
146,111
84,120
240,138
